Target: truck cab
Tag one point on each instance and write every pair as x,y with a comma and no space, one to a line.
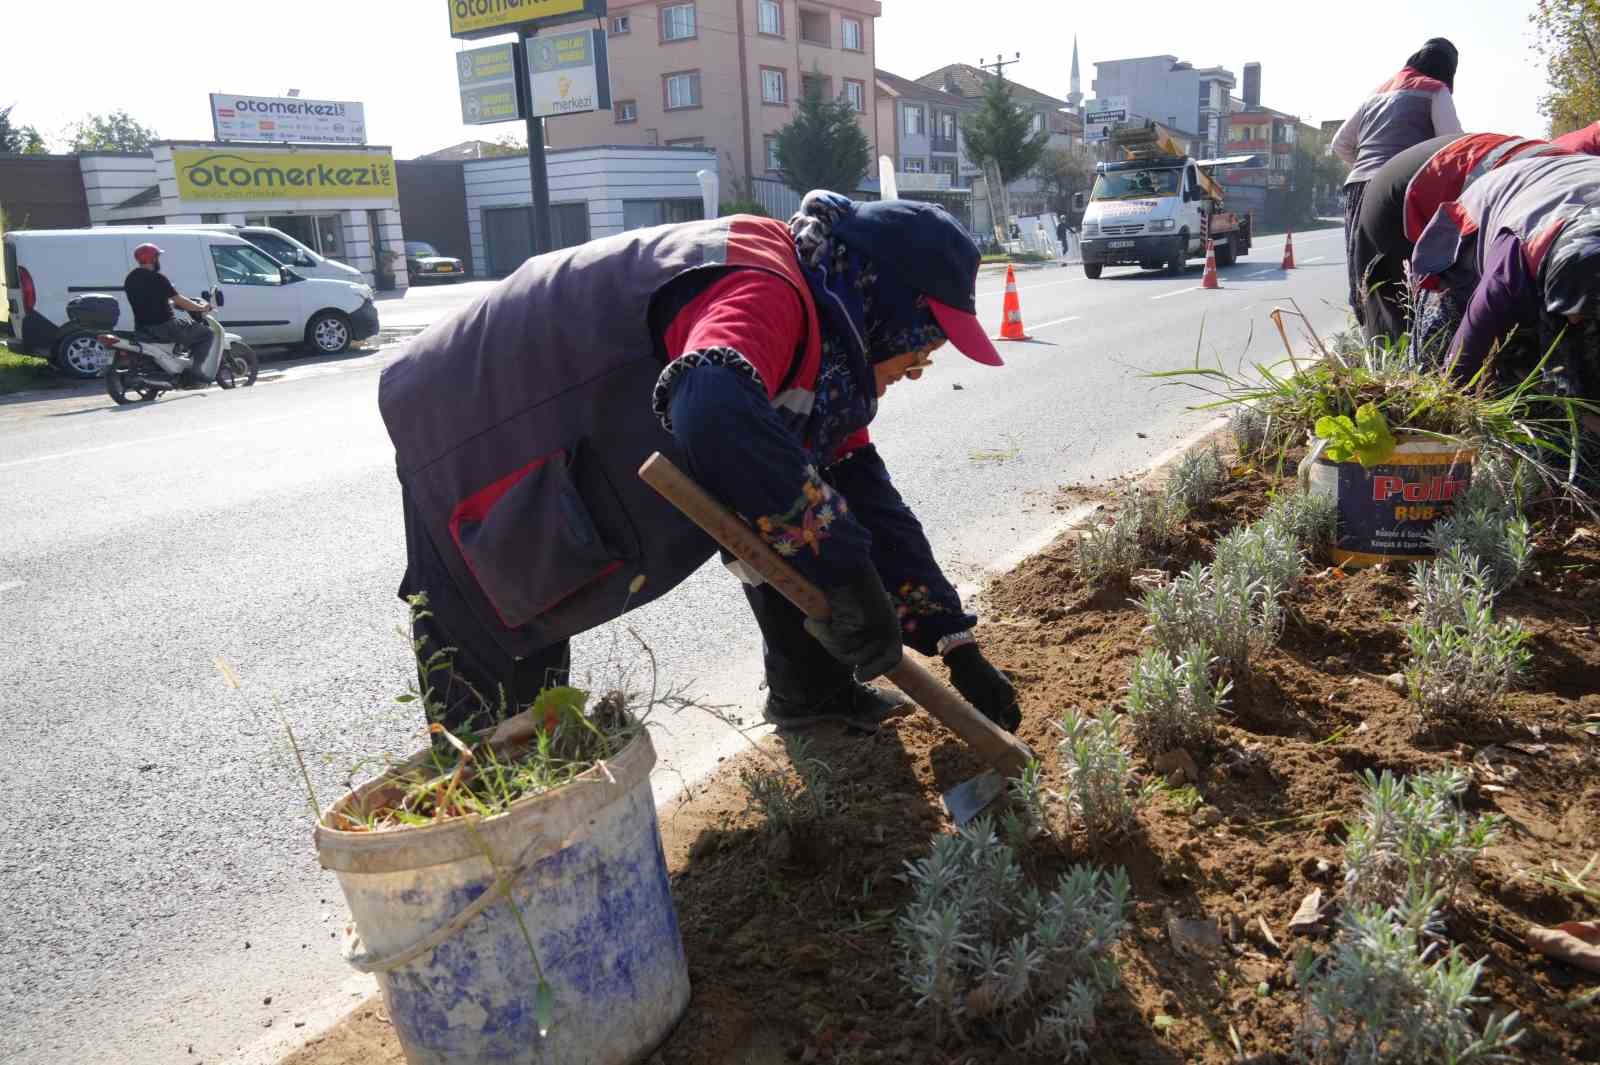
1156,208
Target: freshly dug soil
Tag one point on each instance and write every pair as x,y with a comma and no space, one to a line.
789,936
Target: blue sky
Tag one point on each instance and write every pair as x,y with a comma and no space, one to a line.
160,59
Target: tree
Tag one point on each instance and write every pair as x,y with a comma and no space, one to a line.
114,131
505,144
18,140
823,147
1567,34
1062,172
1000,136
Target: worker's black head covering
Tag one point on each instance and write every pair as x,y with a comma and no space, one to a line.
1572,269
1436,58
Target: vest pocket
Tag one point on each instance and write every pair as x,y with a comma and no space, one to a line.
531,539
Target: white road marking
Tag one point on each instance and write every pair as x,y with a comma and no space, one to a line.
146,440
1264,273
1178,292
1316,259
1029,288
1058,321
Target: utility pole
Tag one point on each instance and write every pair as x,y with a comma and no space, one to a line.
538,174
998,67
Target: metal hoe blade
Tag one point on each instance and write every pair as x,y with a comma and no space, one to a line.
969,798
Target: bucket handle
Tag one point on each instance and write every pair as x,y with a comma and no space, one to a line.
366,962
1303,474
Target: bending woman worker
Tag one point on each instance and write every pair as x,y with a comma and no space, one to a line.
751,352
1413,106
1400,199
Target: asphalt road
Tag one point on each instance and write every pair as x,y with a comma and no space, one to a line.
156,864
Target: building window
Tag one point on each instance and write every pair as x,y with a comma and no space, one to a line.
814,27
1037,125
677,22
945,166
209,219
636,214
856,92
769,17
850,34
947,125
627,111
774,86
812,83
913,165
682,90
915,120
621,24
772,154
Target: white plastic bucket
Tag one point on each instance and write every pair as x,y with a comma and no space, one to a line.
590,879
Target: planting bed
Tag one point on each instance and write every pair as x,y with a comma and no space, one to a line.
790,938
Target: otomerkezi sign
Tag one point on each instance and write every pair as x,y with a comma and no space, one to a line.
483,18
286,118
231,175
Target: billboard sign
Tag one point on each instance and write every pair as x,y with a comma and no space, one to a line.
488,81
485,18
567,74
243,175
287,118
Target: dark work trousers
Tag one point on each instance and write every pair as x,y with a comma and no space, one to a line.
798,668
1380,248
196,336
469,691
1353,193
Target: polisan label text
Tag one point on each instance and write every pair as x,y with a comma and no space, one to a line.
231,175
1434,489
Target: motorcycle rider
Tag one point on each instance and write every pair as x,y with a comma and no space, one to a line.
152,298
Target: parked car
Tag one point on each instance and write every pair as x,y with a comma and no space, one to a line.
424,263
262,300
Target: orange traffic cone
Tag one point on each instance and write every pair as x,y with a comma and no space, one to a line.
1210,278
1288,251
1011,323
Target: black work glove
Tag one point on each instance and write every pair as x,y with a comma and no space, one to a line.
984,686
864,631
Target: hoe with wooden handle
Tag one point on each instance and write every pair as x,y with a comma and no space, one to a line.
997,747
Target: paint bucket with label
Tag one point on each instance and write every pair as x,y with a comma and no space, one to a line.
587,882
1386,511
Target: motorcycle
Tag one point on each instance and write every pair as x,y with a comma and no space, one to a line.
141,367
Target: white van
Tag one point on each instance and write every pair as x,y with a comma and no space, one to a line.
281,246
263,301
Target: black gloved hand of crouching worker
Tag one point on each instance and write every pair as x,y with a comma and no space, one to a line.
864,631
984,686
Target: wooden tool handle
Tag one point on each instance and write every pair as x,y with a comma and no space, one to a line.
997,746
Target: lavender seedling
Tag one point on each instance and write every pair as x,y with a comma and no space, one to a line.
1231,615
1486,526
1263,554
1029,816
1412,832
1099,772
1464,668
1307,519
1443,588
1145,526
1384,995
786,800
1197,477
977,943
1174,704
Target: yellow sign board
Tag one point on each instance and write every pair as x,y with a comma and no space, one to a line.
475,18
229,174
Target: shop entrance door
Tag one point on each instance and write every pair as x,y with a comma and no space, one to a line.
322,233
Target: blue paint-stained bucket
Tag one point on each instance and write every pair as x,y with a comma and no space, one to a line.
1386,512
591,884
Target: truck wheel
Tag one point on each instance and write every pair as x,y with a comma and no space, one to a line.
1180,257
1092,270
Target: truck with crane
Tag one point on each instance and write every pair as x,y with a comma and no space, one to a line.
1155,207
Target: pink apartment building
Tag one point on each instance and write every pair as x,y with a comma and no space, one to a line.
726,74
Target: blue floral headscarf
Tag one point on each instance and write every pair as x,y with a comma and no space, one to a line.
866,317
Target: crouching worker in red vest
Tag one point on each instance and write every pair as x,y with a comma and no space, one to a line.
750,352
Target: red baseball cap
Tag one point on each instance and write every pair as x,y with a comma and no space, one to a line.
966,333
